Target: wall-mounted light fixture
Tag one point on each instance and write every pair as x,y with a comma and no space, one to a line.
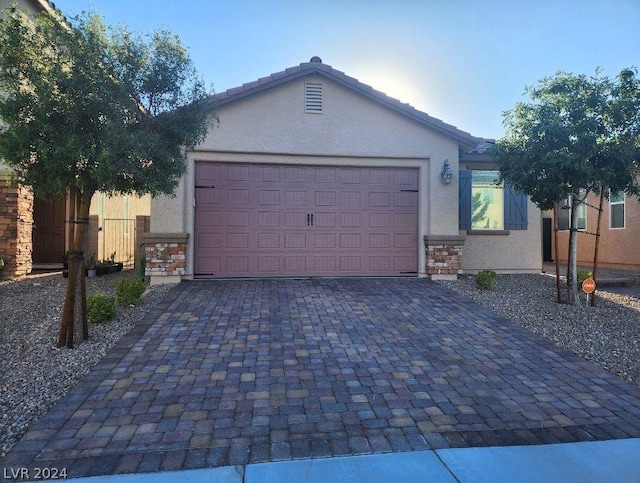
446,174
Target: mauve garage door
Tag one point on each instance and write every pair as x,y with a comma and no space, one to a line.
281,221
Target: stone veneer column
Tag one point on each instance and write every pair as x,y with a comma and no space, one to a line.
166,256
444,256
16,227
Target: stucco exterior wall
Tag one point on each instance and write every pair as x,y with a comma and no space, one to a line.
619,247
510,251
272,127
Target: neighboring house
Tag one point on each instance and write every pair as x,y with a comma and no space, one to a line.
32,231
313,173
619,232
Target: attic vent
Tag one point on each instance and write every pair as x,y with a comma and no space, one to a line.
313,97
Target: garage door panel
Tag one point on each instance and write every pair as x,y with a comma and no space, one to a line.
325,198
294,174
238,218
237,264
295,240
269,264
269,219
295,264
236,197
407,241
237,240
324,220
258,220
295,219
208,219
237,173
350,199
379,240
405,200
380,199
404,220
295,198
350,220
324,264
406,177
325,240
380,264
268,240
325,175
209,240
350,264
350,175
269,174
404,264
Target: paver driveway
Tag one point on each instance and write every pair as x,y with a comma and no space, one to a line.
233,372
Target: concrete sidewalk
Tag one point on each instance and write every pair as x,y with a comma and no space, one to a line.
601,461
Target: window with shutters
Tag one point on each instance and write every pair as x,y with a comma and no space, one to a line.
484,204
313,101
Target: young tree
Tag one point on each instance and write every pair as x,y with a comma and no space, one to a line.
86,108
577,133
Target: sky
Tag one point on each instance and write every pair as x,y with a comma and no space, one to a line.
462,61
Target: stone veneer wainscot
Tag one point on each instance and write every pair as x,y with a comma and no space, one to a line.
16,223
444,256
166,256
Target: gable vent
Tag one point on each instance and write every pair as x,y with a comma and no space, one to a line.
313,97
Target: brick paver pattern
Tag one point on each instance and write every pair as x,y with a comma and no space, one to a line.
237,372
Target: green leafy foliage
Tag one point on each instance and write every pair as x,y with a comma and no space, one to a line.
100,308
129,291
88,108
485,279
583,275
577,133
96,108
142,266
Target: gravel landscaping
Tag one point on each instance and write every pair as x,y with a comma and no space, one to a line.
35,374
607,335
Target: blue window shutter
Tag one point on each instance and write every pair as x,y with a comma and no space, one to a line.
464,200
515,209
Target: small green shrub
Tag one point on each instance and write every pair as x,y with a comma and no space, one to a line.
142,266
583,275
485,279
129,291
100,308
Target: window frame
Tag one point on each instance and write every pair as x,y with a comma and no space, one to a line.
581,207
620,202
495,189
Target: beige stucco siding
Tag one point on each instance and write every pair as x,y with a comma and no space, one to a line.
517,251
272,127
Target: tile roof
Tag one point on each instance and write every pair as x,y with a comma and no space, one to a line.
316,67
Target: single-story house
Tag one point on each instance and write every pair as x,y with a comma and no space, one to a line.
310,172
619,232
32,231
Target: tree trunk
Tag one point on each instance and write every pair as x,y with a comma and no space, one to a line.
75,283
594,272
572,261
555,240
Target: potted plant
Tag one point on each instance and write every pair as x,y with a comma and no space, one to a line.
90,265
